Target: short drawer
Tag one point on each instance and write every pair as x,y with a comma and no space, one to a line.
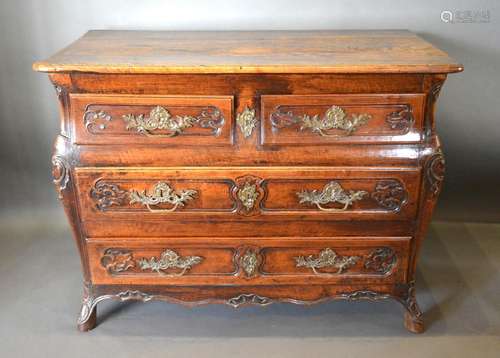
242,194
305,120
141,119
264,261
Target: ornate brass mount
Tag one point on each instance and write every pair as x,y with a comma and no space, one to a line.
162,193
248,259
169,259
116,261
331,193
334,118
248,194
160,119
247,121
327,258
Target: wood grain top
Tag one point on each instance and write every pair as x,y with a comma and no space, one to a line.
378,51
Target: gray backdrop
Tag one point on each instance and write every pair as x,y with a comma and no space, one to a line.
467,109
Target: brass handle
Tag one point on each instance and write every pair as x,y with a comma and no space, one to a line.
326,258
334,118
162,193
169,259
331,193
159,119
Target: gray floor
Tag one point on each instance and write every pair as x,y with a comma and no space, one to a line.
458,287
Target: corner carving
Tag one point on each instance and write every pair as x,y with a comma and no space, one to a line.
432,97
435,172
60,173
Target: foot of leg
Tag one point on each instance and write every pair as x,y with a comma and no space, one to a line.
87,322
412,323
413,320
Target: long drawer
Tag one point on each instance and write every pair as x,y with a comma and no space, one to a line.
156,120
226,261
245,194
309,120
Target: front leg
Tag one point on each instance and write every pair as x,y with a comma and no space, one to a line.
87,318
413,320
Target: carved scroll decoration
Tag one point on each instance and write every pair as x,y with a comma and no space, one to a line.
107,194
435,172
401,120
60,173
117,260
390,194
96,120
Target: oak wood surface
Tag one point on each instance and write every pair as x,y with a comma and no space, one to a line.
368,51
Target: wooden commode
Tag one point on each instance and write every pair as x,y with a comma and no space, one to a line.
248,167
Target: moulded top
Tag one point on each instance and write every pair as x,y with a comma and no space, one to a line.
130,51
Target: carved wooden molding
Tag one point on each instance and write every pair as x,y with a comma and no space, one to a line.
404,294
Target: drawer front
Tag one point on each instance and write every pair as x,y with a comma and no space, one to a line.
250,261
261,194
165,120
328,119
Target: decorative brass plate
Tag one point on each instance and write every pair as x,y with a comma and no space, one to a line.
247,121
